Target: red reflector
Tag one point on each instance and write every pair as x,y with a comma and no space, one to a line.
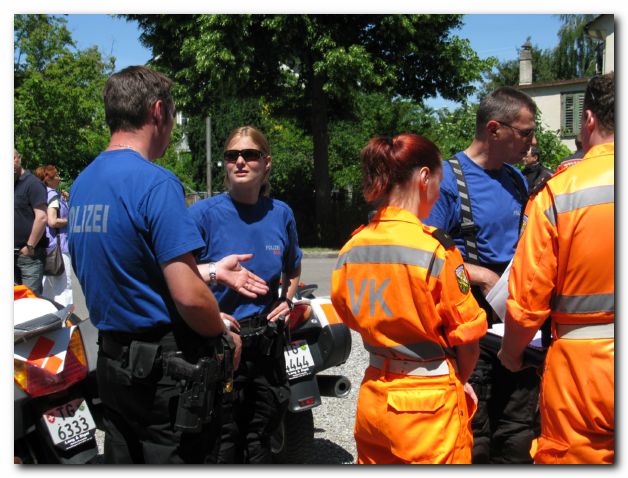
41,382
305,402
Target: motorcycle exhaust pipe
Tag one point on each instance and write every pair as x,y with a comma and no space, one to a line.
337,386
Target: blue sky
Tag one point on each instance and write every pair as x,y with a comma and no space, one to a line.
496,35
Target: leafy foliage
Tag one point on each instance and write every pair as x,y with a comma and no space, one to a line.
552,151
310,68
58,110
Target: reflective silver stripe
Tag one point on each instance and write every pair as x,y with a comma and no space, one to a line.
586,197
406,367
391,255
585,331
424,350
584,304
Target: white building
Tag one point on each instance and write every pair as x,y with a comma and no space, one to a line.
560,102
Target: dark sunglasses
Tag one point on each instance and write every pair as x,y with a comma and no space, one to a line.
524,133
232,155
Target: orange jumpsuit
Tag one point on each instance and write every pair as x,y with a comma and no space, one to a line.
409,298
564,268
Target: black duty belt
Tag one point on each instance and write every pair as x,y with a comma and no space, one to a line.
116,344
252,325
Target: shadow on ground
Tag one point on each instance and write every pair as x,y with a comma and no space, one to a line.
326,452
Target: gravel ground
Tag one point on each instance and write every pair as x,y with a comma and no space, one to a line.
334,419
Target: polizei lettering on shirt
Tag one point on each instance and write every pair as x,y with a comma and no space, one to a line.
89,218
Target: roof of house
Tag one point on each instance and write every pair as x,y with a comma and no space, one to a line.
553,83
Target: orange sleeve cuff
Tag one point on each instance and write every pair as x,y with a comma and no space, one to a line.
526,318
469,331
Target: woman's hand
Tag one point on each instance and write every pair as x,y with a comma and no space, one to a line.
469,391
230,272
280,308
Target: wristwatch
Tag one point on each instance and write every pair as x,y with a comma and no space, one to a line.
30,247
213,280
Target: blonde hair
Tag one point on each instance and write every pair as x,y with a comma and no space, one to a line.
261,142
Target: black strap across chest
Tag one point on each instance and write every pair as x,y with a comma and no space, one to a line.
467,226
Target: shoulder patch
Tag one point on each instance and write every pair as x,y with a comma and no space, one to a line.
462,279
445,239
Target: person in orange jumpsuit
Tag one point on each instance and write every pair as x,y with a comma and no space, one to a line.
564,269
403,286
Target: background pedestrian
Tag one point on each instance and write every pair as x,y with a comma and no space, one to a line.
29,226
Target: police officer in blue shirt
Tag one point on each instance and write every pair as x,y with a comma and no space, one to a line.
481,202
245,218
132,243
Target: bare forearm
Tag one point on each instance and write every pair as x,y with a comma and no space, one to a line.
466,357
193,299
37,231
58,223
481,277
293,282
289,290
516,339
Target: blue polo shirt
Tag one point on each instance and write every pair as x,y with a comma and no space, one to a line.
495,203
127,217
266,229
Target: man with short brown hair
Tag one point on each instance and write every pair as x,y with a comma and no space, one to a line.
132,244
564,269
484,221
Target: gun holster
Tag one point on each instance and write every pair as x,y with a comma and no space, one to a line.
200,383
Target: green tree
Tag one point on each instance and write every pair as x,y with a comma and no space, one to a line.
58,110
311,67
574,57
551,149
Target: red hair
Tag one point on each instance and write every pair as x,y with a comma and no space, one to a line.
50,172
388,162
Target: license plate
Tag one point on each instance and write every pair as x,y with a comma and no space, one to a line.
299,361
70,424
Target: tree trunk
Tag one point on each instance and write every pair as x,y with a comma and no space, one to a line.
320,134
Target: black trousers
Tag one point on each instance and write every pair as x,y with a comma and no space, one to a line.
256,407
139,415
507,418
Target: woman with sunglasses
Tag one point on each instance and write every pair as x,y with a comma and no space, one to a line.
403,287
59,287
245,218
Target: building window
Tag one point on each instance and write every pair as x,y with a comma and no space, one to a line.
571,112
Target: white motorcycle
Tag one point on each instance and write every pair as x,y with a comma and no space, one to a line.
54,391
